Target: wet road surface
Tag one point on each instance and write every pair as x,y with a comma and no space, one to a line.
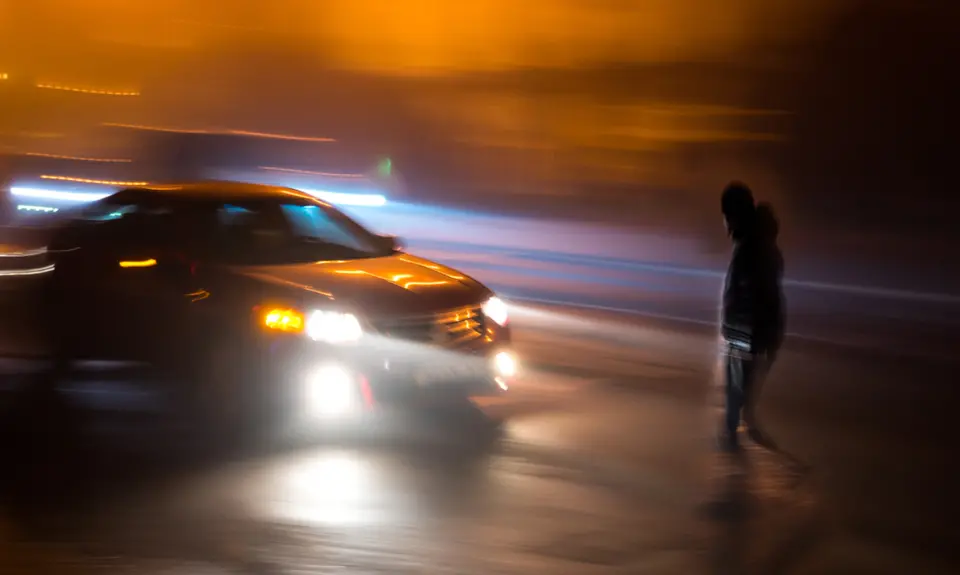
604,464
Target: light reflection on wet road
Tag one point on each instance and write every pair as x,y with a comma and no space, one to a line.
605,465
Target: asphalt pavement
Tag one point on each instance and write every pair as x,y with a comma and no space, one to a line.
605,464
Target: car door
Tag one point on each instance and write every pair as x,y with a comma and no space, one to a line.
82,306
145,291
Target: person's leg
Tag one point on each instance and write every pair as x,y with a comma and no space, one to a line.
735,396
755,378
752,381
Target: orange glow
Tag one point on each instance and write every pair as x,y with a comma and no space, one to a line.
427,37
94,91
289,320
99,182
138,263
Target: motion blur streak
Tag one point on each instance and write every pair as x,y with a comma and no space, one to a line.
94,91
27,272
311,172
22,253
57,194
344,199
80,158
95,182
338,198
280,136
32,208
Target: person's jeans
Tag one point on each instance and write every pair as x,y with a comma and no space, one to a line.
743,382
742,371
740,377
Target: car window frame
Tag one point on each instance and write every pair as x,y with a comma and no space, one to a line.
276,205
209,246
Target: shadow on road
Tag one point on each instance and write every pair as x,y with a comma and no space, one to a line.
763,516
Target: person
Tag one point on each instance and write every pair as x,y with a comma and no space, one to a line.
751,314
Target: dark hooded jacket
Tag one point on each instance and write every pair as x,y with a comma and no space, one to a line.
752,311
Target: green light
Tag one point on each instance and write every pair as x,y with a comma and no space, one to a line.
385,167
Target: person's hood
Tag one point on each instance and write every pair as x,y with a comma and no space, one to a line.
399,284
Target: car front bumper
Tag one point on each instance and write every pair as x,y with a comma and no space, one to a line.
316,380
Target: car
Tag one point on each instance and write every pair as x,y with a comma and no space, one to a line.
258,303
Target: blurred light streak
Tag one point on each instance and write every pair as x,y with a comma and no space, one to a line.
23,253
277,136
409,285
156,128
97,182
32,208
78,158
266,135
312,173
40,193
27,272
4,76
560,303
343,199
94,91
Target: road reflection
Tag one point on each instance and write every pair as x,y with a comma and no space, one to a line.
336,488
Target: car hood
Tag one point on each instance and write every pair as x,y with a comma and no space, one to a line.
399,284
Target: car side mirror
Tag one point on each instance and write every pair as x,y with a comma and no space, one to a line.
393,243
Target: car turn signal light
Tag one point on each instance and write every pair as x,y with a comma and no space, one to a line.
138,263
279,319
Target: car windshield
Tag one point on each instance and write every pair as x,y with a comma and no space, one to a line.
277,232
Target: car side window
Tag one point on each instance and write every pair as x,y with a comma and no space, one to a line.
93,225
107,209
312,223
246,231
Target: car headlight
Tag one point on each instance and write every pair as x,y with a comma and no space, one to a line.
333,327
496,310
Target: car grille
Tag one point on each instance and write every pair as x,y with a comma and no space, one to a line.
451,328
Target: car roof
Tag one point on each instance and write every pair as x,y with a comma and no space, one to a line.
217,190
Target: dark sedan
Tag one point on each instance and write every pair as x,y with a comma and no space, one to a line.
258,300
